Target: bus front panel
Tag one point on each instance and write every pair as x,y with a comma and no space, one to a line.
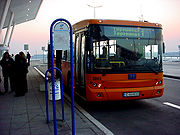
103,87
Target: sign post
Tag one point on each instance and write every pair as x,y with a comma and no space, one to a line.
61,39
26,47
43,49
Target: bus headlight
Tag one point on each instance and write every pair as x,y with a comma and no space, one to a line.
158,91
94,84
159,82
99,95
99,85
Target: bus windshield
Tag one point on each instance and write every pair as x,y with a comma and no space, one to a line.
125,49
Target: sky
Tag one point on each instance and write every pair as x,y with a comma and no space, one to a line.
36,32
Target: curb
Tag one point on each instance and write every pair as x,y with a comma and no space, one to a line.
171,76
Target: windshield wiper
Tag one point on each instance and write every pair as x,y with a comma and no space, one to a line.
149,67
146,66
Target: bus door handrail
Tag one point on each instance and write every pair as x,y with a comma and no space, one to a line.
118,62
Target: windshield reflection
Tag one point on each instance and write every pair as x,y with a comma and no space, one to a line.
127,53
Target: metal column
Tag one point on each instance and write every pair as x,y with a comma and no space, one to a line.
3,17
11,34
9,26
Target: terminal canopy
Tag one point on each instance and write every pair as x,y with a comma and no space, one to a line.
24,10
13,12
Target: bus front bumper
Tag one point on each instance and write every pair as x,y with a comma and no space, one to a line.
124,93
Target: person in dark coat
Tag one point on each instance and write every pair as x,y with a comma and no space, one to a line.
7,64
1,93
21,70
28,58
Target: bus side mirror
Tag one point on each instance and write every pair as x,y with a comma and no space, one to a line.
163,47
89,44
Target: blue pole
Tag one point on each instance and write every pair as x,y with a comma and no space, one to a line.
46,93
72,74
62,96
52,78
72,80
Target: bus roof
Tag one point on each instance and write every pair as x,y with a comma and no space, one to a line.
85,23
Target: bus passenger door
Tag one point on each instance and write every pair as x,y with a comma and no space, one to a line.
77,50
80,79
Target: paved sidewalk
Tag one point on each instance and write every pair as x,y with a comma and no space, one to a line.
26,115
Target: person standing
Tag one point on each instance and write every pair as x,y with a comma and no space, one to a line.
28,58
21,69
12,56
0,82
7,64
1,93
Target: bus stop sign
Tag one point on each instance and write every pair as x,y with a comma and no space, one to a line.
61,39
61,36
26,47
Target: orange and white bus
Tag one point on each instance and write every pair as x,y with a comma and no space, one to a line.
116,60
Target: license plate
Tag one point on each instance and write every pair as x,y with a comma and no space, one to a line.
131,94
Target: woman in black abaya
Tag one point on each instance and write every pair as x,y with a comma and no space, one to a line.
21,71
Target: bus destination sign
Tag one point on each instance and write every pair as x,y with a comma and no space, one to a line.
130,32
